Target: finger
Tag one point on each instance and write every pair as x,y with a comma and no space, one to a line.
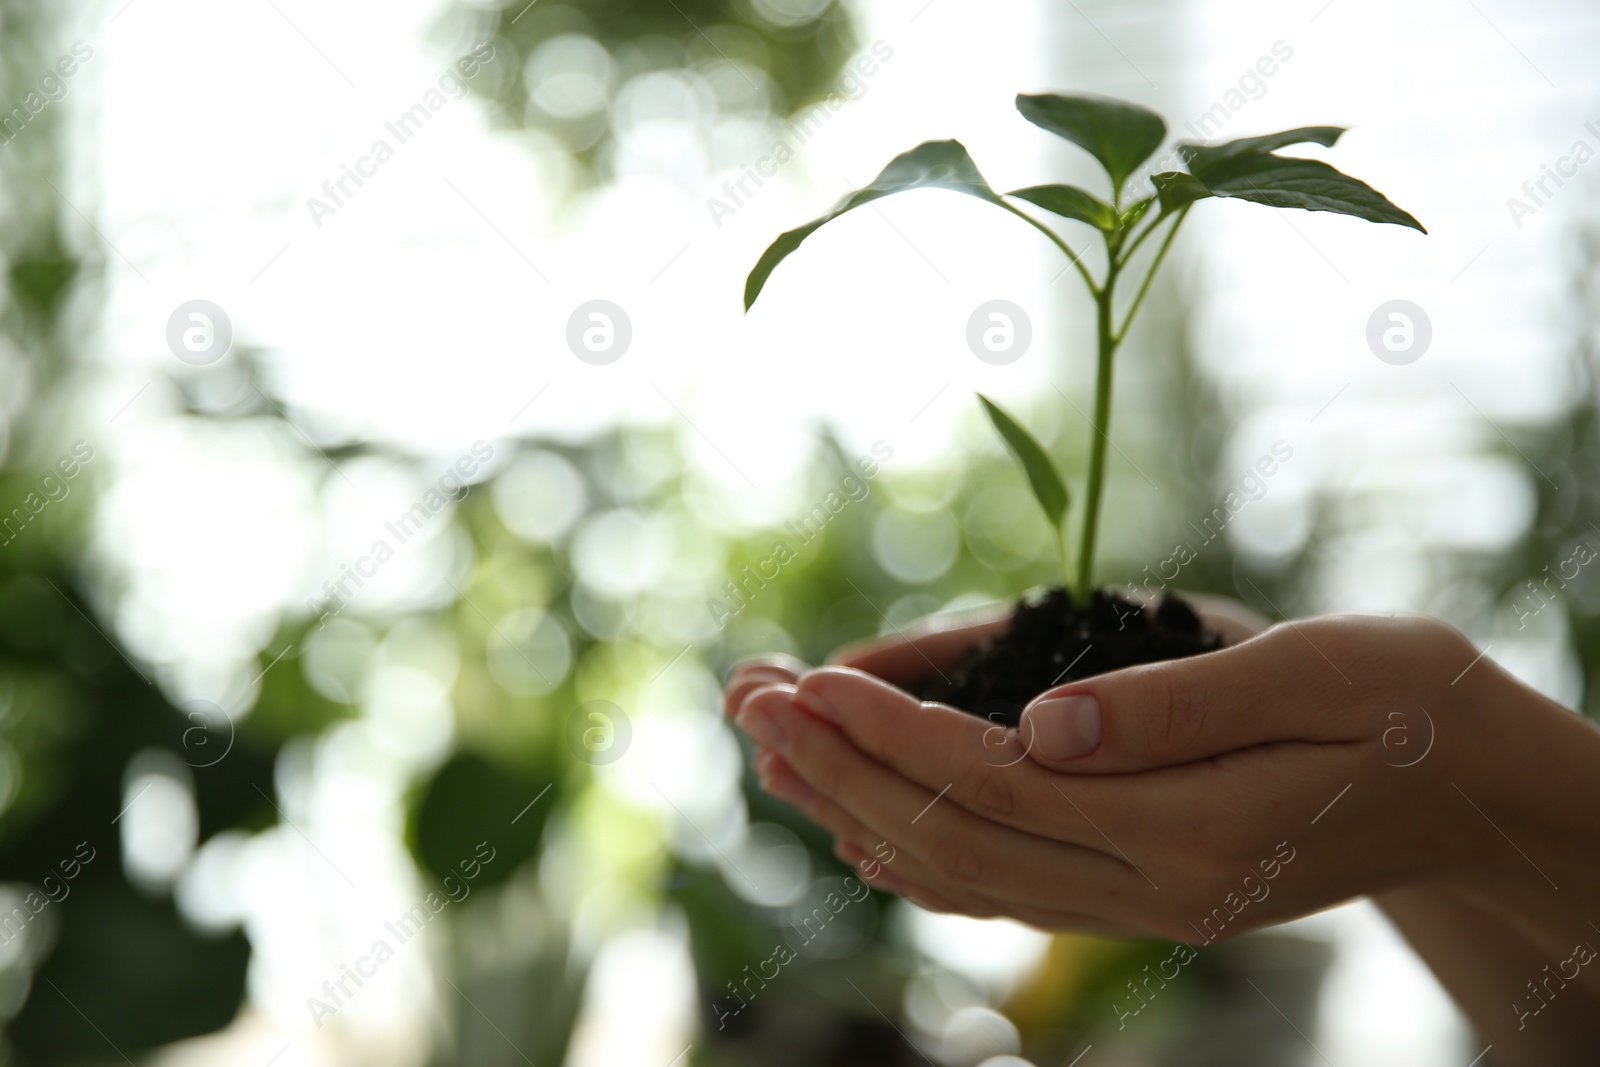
1233,621
783,782
1278,686
980,907
926,649
931,900
927,899
961,849
978,765
868,866
931,743
747,674
919,892
986,770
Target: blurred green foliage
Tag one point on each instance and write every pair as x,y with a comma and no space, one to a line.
73,712
124,967
750,60
1561,460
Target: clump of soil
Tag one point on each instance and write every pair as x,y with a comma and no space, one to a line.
1051,641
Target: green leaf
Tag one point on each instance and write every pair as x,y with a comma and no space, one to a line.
930,165
1176,190
1047,486
465,804
1120,135
1070,202
1201,156
1285,181
144,973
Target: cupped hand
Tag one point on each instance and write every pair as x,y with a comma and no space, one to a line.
1191,799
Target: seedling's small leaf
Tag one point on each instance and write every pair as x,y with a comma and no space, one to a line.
1070,202
1201,156
1284,181
1047,486
1176,189
930,165
1120,135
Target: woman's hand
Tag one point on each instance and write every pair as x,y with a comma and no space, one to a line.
1198,798
1243,760
1194,799
1159,798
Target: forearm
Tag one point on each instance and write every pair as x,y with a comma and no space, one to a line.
1483,962
1509,929
1533,790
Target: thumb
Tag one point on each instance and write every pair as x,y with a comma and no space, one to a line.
1178,711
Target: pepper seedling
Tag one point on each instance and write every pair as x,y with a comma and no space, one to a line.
1122,137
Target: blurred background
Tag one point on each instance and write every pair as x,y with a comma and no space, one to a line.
362,622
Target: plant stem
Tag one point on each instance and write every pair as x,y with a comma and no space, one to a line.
1107,345
1133,246
1155,265
1062,541
1108,339
1077,260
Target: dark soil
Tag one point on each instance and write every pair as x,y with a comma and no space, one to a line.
1051,642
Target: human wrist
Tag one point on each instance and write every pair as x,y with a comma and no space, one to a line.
1522,775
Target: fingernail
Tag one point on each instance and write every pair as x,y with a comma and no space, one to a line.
817,706
769,661
1066,727
790,790
759,674
762,729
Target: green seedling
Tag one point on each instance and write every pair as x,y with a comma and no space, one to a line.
1121,137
